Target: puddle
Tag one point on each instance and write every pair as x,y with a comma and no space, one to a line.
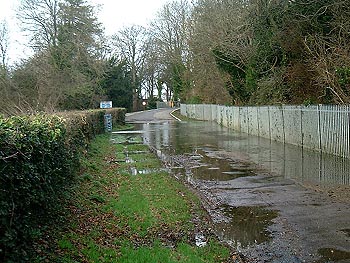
138,152
128,138
333,255
134,171
217,174
128,132
205,166
129,160
346,232
200,240
247,226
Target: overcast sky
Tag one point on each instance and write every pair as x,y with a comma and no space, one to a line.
113,14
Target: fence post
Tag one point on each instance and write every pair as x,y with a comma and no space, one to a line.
257,120
320,142
301,127
268,114
319,128
283,125
348,133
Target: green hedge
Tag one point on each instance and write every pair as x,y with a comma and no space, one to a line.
39,156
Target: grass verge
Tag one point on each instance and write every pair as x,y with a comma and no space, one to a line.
178,114
129,210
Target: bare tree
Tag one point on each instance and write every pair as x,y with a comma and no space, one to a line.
67,63
220,34
330,51
171,30
4,78
4,43
152,69
170,33
131,46
40,18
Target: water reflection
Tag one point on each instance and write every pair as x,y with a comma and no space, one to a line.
215,168
248,225
280,159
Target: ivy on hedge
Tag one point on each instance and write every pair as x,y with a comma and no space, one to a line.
39,156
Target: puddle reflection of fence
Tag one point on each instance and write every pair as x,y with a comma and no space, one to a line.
287,160
324,128
293,162
322,131
156,134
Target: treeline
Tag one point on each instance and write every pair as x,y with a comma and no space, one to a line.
211,51
256,52
72,66
272,51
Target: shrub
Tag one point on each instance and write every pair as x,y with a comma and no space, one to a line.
39,156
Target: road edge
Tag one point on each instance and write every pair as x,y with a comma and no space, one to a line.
172,115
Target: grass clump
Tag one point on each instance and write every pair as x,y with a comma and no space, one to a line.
178,115
118,216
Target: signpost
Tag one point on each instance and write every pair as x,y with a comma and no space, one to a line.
108,116
108,122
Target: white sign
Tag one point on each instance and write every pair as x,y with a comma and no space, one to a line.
105,104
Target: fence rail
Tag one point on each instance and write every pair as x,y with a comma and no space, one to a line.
324,128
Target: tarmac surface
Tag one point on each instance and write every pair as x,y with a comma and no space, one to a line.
150,116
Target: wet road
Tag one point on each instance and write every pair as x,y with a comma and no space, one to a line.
273,202
150,116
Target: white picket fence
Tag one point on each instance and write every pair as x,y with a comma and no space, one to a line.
324,128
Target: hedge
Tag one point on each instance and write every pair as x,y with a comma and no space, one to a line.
39,156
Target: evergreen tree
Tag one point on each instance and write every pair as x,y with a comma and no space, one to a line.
117,84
